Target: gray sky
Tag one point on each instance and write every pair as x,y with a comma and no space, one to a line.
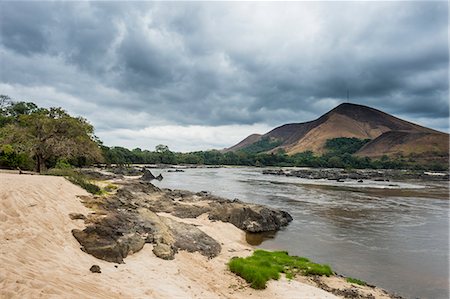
196,75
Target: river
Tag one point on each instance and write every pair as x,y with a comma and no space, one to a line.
391,234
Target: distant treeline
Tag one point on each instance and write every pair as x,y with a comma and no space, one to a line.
34,138
338,155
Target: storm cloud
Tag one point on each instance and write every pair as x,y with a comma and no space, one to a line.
198,75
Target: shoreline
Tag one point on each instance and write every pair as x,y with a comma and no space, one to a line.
42,258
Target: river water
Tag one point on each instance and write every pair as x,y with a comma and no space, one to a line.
391,234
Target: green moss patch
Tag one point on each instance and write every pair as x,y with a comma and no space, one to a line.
356,281
263,265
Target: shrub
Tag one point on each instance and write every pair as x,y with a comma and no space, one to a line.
63,164
265,265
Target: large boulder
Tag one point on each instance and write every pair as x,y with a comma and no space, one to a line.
250,218
111,238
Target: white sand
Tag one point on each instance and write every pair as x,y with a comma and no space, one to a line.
41,259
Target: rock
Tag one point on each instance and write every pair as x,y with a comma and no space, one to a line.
97,175
77,216
124,222
95,269
189,211
111,238
122,170
175,170
159,177
360,181
190,238
147,176
164,251
251,218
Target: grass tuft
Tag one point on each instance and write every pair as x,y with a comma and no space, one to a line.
356,281
265,265
75,178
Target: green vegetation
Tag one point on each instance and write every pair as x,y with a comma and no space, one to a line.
76,178
33,135
265,265
120,155
356,281
343,145
263,145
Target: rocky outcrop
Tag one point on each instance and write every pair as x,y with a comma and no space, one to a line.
147,176
190,238
338,174
124,222
111,238
251,218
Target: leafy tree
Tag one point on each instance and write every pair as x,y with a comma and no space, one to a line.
48,134
161,148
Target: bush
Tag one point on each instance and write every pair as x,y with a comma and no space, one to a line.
265,265
63,164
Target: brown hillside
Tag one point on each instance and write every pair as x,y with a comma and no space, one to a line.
244,143
352,120
406,143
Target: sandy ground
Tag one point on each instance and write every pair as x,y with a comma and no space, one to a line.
41,259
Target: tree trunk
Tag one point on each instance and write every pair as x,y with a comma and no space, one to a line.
38,163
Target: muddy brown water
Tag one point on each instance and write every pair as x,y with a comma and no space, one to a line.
391,234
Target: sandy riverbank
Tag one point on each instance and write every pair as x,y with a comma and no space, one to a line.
40,258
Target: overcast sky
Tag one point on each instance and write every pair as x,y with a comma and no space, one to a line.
198,75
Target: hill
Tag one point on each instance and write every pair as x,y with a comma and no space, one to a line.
389,135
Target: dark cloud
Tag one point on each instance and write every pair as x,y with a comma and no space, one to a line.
214,64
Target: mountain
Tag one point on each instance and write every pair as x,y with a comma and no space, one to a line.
389,135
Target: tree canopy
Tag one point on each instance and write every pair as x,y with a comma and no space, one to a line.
45,136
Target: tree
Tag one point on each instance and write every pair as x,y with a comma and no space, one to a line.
48,134
161,148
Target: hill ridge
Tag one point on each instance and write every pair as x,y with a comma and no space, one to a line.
351,120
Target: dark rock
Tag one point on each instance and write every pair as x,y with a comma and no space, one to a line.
360,181
147,176
251,218
159,177
111,238
189,211
77,216
121,170
203,193
96,175
95,269
190,238
175,170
